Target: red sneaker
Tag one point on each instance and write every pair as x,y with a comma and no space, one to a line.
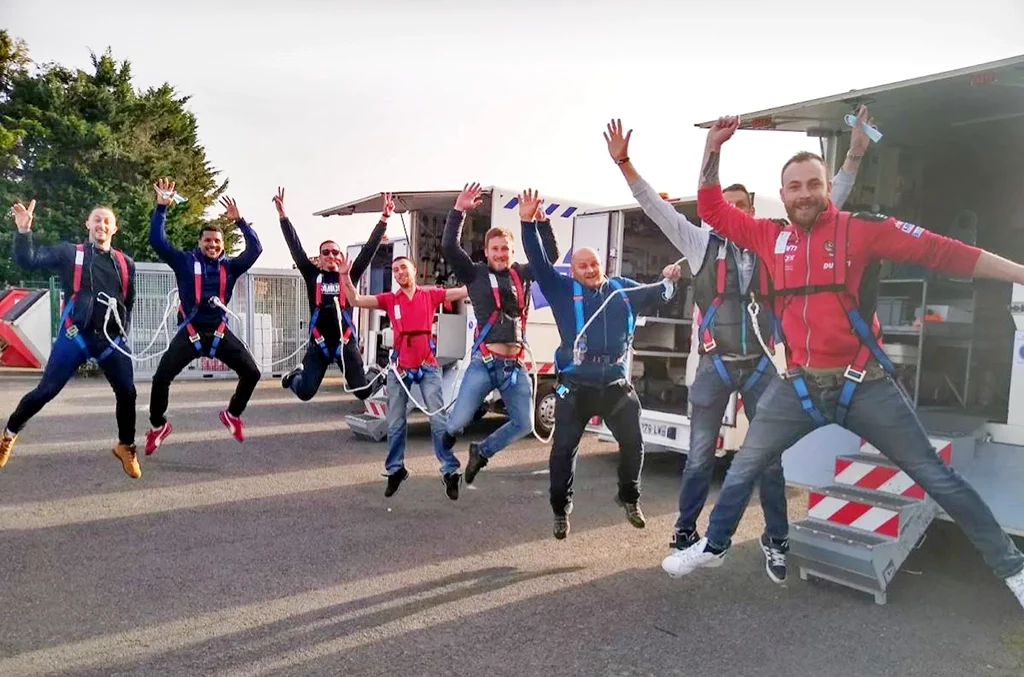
156,436
233,424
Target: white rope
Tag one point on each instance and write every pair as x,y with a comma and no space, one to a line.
753,309
341,334
534,385
112,311
419,405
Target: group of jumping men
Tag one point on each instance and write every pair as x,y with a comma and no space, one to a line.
807,283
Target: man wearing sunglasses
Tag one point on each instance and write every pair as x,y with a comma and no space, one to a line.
333,335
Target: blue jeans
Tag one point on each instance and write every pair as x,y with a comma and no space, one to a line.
882,415
430,388
709,397
477,382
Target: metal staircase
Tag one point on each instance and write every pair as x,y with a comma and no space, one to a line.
859,530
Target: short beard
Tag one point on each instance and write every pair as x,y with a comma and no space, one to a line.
791,213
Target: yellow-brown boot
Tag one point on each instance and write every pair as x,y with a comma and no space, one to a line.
129,460
6,444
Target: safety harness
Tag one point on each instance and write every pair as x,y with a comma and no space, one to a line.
870,345
218,334
706,329
522,308
346,319
72,331
580,354
415,375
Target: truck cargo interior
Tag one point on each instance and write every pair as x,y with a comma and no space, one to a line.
661,343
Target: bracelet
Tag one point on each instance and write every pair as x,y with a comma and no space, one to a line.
622,161
851,156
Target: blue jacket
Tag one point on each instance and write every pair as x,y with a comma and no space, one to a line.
181,263
608,335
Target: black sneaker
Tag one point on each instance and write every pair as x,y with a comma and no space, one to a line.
633,513
684,539
562,526
451,485
286,380
394,480
476,463
774,558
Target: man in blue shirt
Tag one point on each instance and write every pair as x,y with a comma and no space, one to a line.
591,362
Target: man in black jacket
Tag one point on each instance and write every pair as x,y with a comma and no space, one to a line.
98,280
500,293
329,340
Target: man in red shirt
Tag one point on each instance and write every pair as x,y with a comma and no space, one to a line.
824,267
411,310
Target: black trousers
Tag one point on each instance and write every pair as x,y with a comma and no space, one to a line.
315,364
231,351
619,407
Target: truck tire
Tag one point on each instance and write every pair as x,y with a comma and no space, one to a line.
544,408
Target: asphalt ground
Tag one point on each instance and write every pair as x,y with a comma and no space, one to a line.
281,556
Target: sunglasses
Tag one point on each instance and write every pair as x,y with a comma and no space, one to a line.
330,252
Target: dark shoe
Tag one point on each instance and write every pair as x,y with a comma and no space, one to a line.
395,479
286,380
684,539
774,558
476,463
633,513
451,485
561,526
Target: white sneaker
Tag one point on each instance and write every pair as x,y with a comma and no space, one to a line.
682,562
1016,584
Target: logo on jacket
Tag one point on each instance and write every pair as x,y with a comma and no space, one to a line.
830,247
330,288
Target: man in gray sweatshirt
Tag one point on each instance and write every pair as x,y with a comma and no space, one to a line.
731,353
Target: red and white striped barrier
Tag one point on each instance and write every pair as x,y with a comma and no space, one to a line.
885,478
853,514
376,408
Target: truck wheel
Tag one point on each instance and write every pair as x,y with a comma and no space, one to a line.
544,408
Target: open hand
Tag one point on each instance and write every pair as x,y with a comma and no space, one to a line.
23,215
279,202
164,191
859,140
529,205
230,209
618,145
344,265
722,130
469,198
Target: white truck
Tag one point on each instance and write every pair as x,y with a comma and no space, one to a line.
663,361
949,160
423,217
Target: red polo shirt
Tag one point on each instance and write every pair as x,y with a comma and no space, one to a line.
409,316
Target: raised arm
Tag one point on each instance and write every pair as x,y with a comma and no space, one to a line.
734,224
843,181
167,252
291,238
28,257
642,300
541,268
454,254
354,297
548,244
369,249
253,248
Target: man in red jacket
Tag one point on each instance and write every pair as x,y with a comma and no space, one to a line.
824,267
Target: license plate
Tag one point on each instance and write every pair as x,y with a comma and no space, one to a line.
658,429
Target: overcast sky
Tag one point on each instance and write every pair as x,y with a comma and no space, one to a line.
338,100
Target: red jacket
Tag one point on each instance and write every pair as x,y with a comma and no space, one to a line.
814,322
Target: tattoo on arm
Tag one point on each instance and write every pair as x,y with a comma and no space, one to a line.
709,175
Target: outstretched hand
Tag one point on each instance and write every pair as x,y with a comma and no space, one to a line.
23,215
671,272
618,145
279,202
469,198
859,140
389,206
230,209
164,189
529,204
344,264
722,130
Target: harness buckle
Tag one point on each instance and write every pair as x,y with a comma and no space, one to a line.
194,338
854,375
710,345
71,331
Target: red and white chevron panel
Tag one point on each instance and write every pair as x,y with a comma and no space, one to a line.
853,514
376,408
943,447
542,367
884,478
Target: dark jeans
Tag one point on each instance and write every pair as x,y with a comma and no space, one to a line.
619,407
881,414
709,397
231,351
315,364
65,358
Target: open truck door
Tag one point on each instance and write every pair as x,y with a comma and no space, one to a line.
949,160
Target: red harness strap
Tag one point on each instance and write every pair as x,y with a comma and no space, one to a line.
197,270
76,280
346,331
521,306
